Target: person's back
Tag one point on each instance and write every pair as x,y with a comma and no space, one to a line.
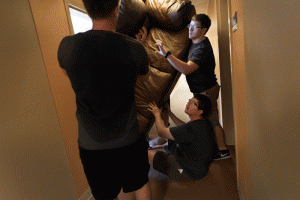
103,67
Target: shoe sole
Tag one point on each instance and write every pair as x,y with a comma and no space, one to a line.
223,158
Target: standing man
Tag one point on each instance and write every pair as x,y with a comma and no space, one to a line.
190,145
200,73
103,67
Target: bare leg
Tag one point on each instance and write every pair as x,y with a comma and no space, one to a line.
144,193
151,154
126,196
219,133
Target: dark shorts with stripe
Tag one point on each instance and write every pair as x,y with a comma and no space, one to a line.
167,164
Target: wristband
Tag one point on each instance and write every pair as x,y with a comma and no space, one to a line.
167,54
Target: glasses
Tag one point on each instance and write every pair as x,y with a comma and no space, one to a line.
193,26
193,102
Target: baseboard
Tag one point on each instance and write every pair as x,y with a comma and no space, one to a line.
87,195
241,195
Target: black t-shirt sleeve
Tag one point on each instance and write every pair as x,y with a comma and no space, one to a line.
181,133
64,52
200,56
145,63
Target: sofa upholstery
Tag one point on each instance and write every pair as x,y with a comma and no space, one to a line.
165,20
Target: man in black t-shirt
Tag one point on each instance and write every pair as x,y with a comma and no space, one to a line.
103,67
200,73
190,145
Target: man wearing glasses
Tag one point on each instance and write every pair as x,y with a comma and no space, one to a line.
200,73
190,146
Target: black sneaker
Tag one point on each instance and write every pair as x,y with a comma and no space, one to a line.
222,154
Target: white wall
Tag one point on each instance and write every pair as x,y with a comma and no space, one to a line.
179,98
34,164
201,6
273,93
225,72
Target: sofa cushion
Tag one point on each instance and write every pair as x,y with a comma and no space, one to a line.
132,16
177,43
171,15
165,20
152,89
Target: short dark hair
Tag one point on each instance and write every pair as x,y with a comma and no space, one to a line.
204,103
203,19
99,9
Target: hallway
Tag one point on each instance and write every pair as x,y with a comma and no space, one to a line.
39,127
221,184
223,174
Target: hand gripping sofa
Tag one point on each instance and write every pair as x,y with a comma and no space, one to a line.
165,20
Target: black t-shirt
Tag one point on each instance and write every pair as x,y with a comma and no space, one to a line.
103,67
204,77
193,147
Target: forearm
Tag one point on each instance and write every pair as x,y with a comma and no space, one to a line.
181,66
175,119
162,130
160,126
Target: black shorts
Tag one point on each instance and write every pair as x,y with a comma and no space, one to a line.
167,164
109,170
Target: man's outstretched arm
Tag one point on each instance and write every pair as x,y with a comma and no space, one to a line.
184,67
162,130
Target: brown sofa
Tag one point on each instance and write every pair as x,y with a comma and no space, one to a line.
165,20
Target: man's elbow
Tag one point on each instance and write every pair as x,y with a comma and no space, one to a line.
162,133
165,133
185,73
189,71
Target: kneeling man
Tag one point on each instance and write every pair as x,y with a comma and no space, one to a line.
190,146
